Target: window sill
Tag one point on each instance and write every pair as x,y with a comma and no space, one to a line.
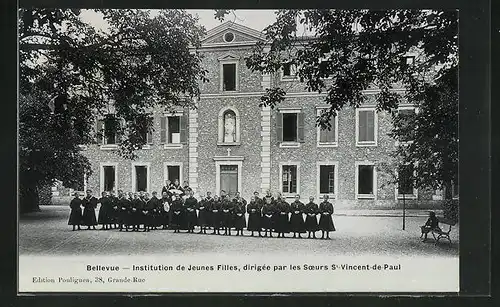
335,144
330,196
83,147
289,78
229,92
173,146
289,145
398,143
147,146
109,147
367,144
228,144
407,196
365,196
289,195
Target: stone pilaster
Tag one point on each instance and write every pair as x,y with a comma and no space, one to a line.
265,153
193,148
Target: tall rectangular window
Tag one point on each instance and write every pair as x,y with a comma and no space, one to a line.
229,77
327,179
290,127
173,173
289,70
141,178
174,129
366,180
109,178
455,189
405,179
107,130
289,179
405,118
366,127
328,136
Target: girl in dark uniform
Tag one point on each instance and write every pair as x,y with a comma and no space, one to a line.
113,211
146,212
253,209
267,216
204,207
177,213
136,214
75,216
190,204
124,206
89,204
325,220
105,211
164,210
282,210
297,225
227,214
216,214
239,221
153,206
311,223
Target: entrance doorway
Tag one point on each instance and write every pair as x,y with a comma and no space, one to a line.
229,179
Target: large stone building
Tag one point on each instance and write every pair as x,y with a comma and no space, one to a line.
229,142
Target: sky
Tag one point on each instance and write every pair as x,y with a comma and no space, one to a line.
256,19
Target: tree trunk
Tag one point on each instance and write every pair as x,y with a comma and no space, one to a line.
450,208
28,198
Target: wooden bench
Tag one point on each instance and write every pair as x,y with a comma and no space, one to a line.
441,233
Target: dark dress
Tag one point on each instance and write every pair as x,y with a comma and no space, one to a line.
325,220
282,210
227,213
89,206
135,211
311,223
124,205
165,214
75,216
177,210
114,210
239,220
203,212
154,215
266,221
253,209
105,212
145,212
190,205
216,213
297,219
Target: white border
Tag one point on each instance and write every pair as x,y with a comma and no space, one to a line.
280,178
375,127
356,176
335,182
101,175
217,173
133,187
165,171
318,131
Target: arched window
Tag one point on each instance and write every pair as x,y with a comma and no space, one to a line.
229,127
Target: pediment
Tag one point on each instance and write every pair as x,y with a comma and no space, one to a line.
240,34
228,57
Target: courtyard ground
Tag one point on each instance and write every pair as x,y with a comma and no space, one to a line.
359,232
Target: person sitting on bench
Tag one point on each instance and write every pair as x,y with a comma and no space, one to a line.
431,224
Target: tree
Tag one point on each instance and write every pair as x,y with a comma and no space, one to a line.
349,51
70,73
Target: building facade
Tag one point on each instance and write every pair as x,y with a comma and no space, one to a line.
231,143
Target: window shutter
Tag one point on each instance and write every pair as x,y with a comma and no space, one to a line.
331,133
362,126
300,127
370,123
163,129
183,128
149,137
279,127
99,131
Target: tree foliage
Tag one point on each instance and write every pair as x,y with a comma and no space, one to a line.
71,72
341,53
